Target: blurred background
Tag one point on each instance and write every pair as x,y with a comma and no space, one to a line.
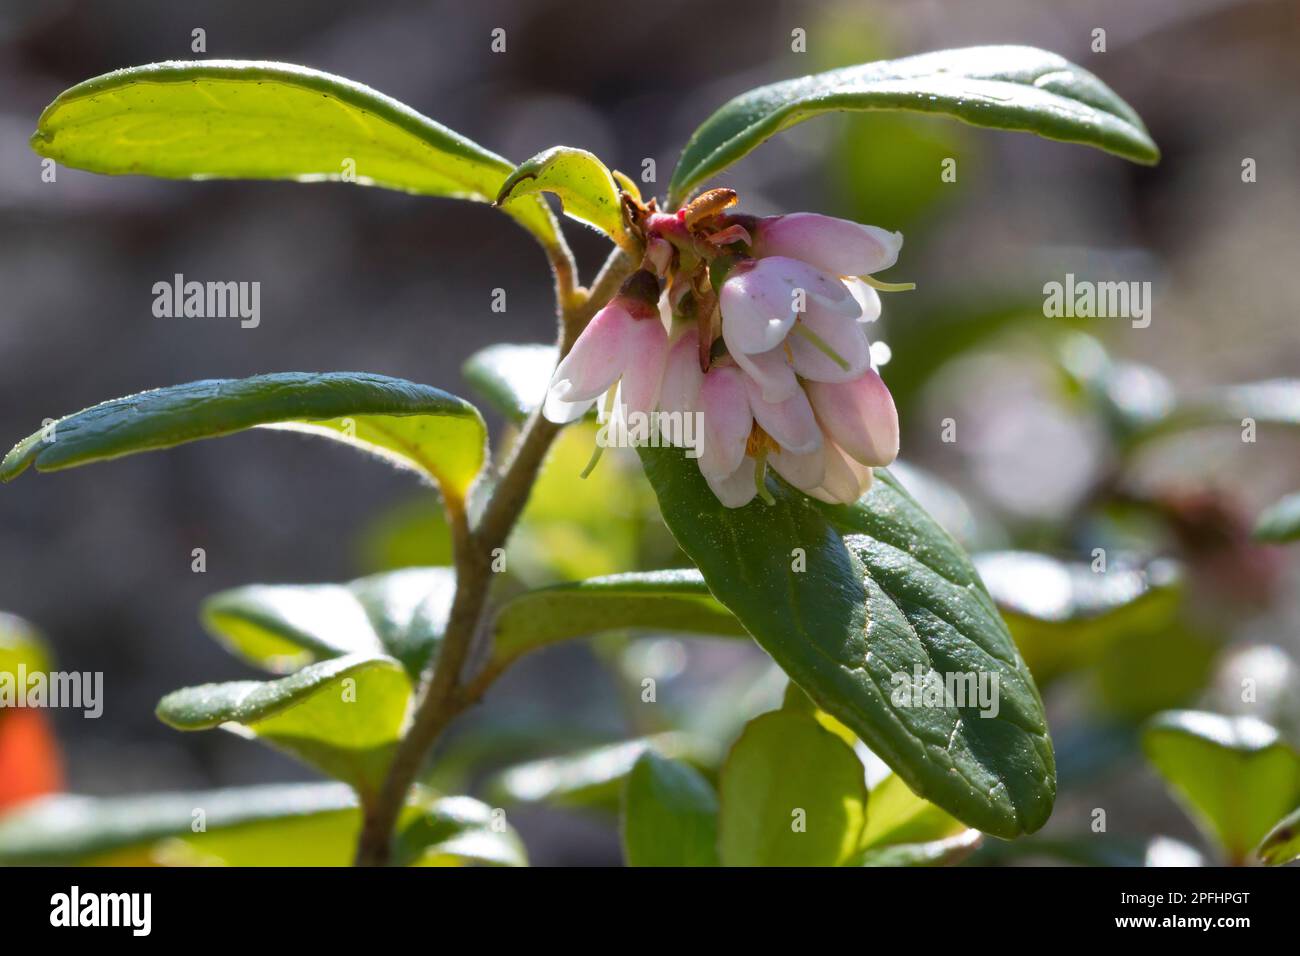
1058,445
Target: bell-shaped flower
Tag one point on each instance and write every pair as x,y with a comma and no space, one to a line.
858,416
760,301
837,246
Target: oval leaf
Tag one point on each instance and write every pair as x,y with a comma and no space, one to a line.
282,627
513,378
416,426
670,815
344,716
1235,775
896,595
249,119
791,793
675,600
584,184
1003,87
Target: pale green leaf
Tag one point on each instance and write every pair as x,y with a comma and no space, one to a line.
670,815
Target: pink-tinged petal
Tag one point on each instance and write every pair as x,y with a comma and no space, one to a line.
867,298
597,358
844,480
562,412
838,246
859,416
758,301
844,337
682,376
738,488
803,471
647,352
727,422
771,371
791,423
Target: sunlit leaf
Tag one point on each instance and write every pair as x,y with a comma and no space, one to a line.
1282,844
247,119
344,716
513,378
281,627
1234,775
415,426
941,852
584,184
1280,522
670,815
1003,87
791,794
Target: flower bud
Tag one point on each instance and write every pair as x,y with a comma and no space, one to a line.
859,416
837,246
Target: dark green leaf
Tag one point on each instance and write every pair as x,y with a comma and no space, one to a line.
1003,87
895,595
244,119
281,627
1235,775
344,716
583,183
791,794
416,426
1280,522
670,815
664,600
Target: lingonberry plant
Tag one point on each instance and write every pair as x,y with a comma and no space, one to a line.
732,351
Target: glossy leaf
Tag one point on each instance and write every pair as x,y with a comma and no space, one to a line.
343,716
1280,522
314,824
1282,843
896,594
415,426
1235,775
898,816
513,378
1003,87
591,777
282,627
582,182
670,815
247,119
791,794
663,600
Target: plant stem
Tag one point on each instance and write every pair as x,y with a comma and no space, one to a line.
445,692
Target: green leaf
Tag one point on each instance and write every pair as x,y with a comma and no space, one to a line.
670,815
245,119
591,777
1235,776
513,378
791,794
898,816
282,627
584,184
344,716
416,426
1282,844
898,593
1003,87
1280,522
313,824
1064,615
664,600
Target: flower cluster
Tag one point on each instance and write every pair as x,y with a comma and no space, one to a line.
756,326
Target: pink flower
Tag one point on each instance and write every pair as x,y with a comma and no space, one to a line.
625,340
837,246
760,300
859,416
